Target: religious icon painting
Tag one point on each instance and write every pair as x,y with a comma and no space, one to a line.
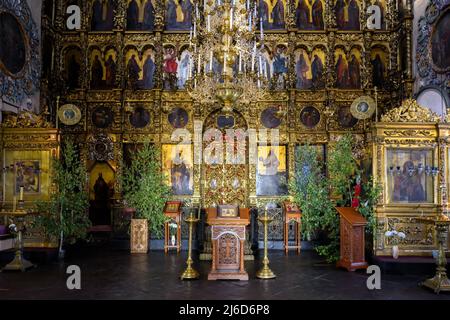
379,70
348,71
97,70
225,121
170,68
271,175
303,70
178,168
317,69
27,175
410,175
347,14
309,14
178,117
440,43
280,67
273,14
110,68
101,188
184,67
140,70
179,14
102,117
73,67
140,117
270,118
345,118
310,117
102,18
13,52
141,15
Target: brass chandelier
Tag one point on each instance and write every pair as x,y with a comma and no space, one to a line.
227,63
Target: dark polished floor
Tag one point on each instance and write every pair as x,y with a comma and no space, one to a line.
113,273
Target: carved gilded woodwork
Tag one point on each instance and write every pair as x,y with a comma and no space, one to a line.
158,102
410,111
410,128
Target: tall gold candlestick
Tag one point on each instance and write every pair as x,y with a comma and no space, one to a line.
265,272
190,272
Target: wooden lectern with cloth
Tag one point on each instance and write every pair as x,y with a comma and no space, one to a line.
352,229
228,224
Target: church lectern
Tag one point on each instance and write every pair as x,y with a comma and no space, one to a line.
352,231
228,237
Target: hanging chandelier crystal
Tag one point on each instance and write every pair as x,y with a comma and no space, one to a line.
227,63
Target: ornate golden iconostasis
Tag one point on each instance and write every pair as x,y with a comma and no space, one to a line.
410,161
127,76
28,146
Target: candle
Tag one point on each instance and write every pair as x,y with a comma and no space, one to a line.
209,23
225,63
231,19
199,63
14,203
261,29
195,29
260,65
253,57
21,194
248,5
240,62
210,61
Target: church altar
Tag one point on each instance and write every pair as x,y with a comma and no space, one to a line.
228,237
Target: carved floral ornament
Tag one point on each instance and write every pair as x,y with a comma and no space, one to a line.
26,119
411,111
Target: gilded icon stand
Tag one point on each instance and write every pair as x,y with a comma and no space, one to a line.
190,272
439,282
265,272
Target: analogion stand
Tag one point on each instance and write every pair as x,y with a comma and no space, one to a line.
352,230
172,210
228,238
292,213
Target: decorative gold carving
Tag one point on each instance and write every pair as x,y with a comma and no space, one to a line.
410,111
418,234
26,119
408,133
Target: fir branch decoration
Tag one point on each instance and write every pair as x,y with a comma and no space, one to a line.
65,215
145,187
309,189
341,167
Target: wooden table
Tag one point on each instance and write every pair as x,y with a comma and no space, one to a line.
292,213
228,238
352,242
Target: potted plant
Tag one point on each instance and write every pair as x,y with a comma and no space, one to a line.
396,238
310,191
146,191
64,215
